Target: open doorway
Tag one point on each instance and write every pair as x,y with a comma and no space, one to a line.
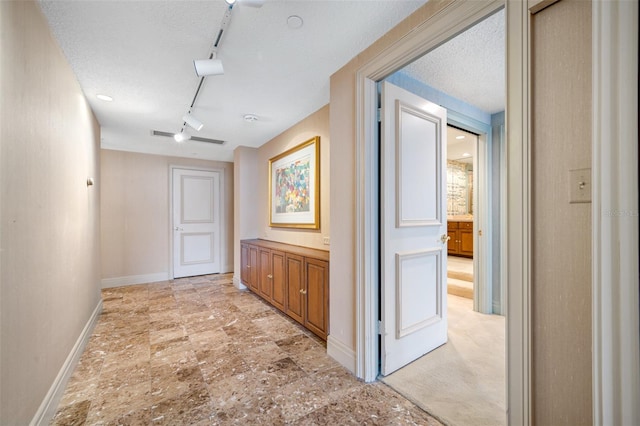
463,380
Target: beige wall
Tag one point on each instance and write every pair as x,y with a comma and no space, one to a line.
136,213
561,258
50,219
343,177
252,192
245,177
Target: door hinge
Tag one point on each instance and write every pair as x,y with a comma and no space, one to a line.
379,326
379,115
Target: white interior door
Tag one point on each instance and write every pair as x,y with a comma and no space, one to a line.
413,227
196,222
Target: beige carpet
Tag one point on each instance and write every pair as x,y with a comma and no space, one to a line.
463,381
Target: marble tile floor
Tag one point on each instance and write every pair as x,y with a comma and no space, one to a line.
197,351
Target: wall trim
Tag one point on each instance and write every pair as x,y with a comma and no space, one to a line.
518,208
49,405
134,279
238,284
341,353
615,294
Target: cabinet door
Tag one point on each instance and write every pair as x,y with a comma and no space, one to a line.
451,244
244,264
278,279
253,268
317,296
264,274
466,242
294,303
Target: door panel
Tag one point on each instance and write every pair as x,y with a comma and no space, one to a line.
295,285
264,274
316,297
413,223
196,223
278,279
253,268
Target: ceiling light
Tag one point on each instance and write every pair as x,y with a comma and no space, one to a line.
466,154
206,67
460,137
181,137
230,2
104,98
294,22
250,118
193,122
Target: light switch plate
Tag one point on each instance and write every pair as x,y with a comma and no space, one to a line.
580,186
325,240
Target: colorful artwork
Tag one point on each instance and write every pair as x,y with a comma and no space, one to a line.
292,187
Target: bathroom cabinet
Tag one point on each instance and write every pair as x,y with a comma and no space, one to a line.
461,241
293,279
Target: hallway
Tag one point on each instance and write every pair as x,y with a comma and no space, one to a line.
198,351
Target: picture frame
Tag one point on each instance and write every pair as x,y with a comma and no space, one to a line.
294,187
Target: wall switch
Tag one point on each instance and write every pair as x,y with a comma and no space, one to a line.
580,186
325,240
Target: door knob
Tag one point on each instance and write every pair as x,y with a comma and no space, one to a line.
444,238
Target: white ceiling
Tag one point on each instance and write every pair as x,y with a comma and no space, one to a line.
141,53
461,145
469,67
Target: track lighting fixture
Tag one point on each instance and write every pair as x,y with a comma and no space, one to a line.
181,137
205,67
193,122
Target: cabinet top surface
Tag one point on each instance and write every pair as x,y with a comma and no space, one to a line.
460,218
299,250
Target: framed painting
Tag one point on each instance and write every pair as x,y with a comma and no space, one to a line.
294,187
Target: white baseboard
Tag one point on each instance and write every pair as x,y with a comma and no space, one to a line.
134,279
49,405
238,284
341,353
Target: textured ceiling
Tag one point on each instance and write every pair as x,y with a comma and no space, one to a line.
141,53
469,67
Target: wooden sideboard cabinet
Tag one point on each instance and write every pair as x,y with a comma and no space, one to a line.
461,241
294,279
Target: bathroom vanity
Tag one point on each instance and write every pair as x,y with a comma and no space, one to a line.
460,230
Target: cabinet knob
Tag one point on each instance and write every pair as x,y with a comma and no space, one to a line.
303,291
248,266
270,276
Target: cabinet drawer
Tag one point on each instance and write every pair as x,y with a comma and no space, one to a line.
452,225
466,225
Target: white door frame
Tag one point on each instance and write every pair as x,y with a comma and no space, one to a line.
616,381
223,218
483,255
616,334
448,22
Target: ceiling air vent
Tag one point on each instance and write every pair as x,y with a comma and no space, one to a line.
193,138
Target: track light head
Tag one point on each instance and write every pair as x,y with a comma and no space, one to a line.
181,137
193,122
205,67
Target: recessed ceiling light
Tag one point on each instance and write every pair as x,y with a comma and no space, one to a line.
460,137
250,118
294,22
104,98
466,154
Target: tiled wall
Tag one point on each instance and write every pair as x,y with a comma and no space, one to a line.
458,188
